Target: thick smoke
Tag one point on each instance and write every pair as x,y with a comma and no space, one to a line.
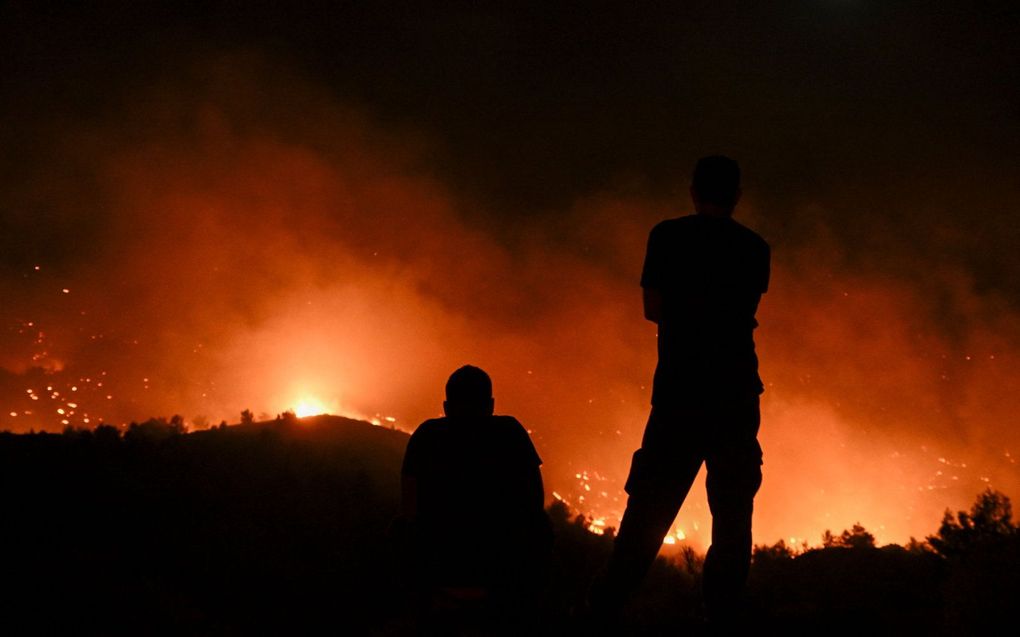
235,237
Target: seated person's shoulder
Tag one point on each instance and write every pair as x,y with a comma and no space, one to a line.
508,425
756,239
750,236
518,441
423,441
420,446
670,226
507,421
428,428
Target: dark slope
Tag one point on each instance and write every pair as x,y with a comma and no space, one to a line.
281,527
263,527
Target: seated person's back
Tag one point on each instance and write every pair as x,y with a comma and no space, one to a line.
473,489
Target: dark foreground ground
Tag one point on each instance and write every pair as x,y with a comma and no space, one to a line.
284,528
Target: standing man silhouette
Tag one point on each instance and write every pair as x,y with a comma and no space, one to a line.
703,277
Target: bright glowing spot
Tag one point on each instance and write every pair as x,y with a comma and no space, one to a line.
674,537
308,406
597,526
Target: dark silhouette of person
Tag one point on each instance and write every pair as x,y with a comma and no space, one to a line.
703,278
473,497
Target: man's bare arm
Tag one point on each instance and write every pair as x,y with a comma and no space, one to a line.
653,305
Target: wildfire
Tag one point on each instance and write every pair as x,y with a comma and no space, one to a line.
602,505
894,490
309,406
674,537
597,526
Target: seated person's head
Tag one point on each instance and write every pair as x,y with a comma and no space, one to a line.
469,393
715,186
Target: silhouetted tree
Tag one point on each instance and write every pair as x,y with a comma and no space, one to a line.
247,417
155,430
778,551
75,433
856,537
177,425
918,547
989,520
691,561
982,553
106,434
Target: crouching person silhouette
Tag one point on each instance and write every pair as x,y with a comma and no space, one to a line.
473,500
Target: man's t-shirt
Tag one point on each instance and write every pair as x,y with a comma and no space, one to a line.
711,272
478,493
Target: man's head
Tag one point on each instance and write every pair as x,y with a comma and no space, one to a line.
469,393
715,187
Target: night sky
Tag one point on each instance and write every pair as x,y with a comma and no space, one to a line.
206,207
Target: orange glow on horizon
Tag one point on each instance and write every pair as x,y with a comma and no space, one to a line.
309,406
888,395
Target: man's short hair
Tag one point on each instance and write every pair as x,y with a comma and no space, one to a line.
717,180
468,385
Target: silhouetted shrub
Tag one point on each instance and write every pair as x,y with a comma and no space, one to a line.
155,430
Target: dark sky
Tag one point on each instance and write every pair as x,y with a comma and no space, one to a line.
372,193
896,128
835,100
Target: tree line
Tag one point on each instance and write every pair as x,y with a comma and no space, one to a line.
279,525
